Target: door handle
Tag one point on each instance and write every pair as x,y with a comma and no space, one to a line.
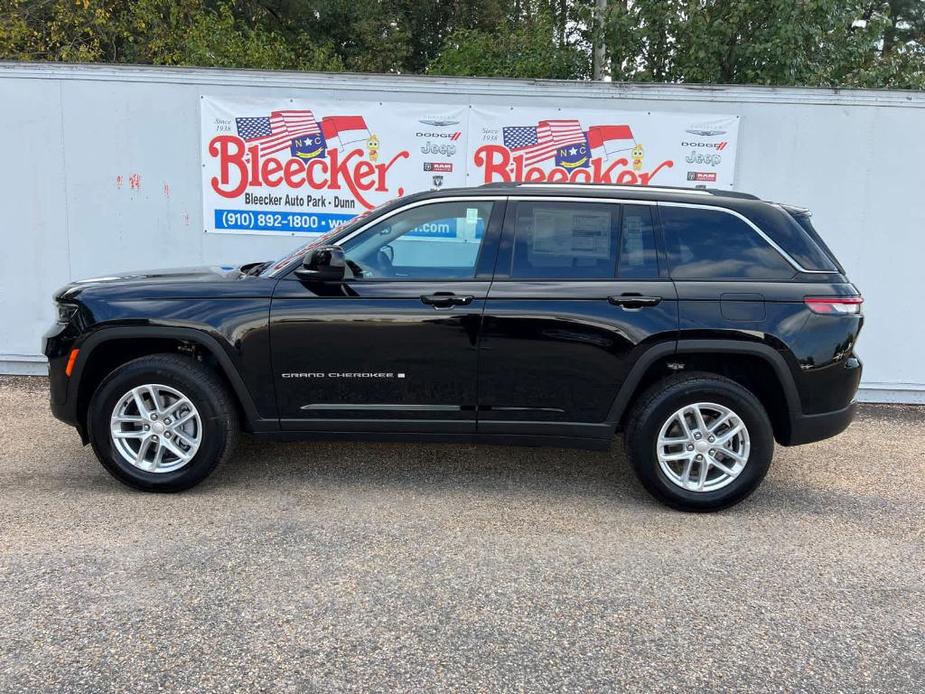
446,300
634,300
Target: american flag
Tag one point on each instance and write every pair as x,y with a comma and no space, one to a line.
277,131
541,142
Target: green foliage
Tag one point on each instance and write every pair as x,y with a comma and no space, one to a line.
777,42
526,49
856,43
163,32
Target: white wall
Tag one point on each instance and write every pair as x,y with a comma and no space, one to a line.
71,132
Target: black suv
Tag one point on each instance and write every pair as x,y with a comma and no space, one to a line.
703,324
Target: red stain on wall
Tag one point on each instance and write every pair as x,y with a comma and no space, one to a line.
119,181
134,181
166,189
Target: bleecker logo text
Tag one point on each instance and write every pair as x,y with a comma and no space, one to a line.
242,167
500,164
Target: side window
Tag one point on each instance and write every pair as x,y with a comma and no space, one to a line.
638,258
439,241
712,245
571,240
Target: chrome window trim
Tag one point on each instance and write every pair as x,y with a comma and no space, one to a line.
577,198
697,206
421,203
784,254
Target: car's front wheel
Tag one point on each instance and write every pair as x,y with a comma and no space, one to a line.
699,442
162,423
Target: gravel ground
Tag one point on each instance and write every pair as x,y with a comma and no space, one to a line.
382,567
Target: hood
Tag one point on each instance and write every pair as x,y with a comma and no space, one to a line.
189,282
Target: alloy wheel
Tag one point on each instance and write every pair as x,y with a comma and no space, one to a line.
156,428
703,447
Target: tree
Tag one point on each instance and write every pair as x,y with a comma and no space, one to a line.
779,42
533,44
857,43
160,32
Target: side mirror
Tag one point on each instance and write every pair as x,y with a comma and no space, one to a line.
323,264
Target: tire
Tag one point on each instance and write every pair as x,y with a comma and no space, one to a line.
205,427
659,410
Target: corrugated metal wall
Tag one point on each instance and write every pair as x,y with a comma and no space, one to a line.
101,173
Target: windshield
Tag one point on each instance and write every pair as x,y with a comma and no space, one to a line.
275,268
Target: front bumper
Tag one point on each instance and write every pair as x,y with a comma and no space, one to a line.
56,345
806,428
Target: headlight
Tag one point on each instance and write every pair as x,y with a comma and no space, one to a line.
65,312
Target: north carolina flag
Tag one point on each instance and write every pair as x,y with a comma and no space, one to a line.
613,138
346,129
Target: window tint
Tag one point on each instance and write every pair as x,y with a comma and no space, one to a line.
555,240
439,241
819,256
637,254
710,245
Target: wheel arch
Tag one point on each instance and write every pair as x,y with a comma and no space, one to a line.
108,348
756,366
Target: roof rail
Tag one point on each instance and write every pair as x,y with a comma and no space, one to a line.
627,186
618,186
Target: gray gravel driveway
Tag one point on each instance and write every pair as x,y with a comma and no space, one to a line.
386,567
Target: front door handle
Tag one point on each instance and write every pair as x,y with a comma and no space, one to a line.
634,300
446,300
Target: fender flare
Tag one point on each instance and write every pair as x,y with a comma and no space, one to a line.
689,346
199,337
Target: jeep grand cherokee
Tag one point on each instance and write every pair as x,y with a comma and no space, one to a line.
704,325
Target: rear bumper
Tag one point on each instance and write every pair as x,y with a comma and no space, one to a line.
806,428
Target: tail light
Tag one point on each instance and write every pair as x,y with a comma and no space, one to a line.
834,305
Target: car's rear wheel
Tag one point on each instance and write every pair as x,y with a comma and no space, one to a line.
162,422
699,442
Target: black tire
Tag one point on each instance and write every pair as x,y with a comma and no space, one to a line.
653,408
202,386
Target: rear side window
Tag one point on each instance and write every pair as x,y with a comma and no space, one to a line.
820,256
566,240
638,258
583,241
707,244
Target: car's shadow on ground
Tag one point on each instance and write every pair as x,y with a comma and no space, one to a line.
329,464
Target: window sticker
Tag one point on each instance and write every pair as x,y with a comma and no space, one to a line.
633,247
571,233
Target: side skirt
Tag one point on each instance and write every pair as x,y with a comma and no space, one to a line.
585,443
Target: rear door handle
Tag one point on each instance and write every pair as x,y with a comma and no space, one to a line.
634,300
446,300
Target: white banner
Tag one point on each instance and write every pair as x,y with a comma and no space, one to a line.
601,146
296,166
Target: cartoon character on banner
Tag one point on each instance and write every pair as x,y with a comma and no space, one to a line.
372,148
637,154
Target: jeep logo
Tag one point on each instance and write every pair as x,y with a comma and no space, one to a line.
446,150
